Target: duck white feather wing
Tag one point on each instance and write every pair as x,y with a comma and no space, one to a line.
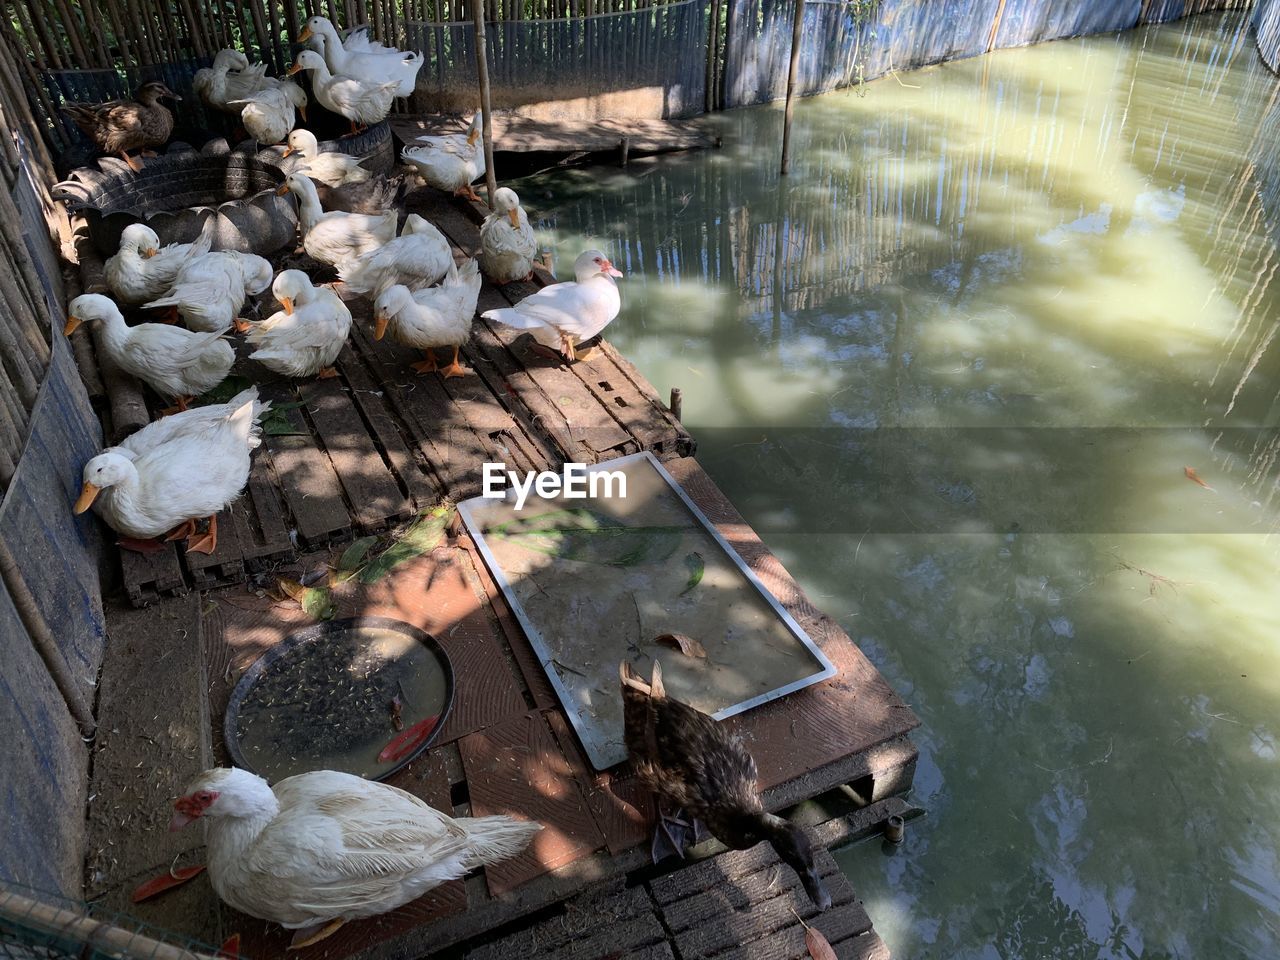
359,40
196,420
417,260
580,310
342,848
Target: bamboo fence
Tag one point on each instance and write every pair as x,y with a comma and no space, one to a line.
25,332
127,36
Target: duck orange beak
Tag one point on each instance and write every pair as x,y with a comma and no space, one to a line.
288,151
287,303
148,253
609,270
471,138
69,327
379,326
305,35
514,217
282,190
88,493
293,69
303,111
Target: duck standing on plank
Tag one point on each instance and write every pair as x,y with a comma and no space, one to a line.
319,849
507,243
175,471
695,763
562,315
176,363
304,338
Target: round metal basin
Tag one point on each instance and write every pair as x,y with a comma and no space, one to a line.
341,696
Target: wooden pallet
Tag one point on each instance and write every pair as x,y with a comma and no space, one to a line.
379,443
507,747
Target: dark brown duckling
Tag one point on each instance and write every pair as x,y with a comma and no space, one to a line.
119,126
688,759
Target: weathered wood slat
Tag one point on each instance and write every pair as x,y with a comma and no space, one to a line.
366,394
307,479
372,490
516,768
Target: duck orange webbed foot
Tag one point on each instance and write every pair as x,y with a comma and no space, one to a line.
241,326
180,404
183,531
306,936
328,373
454,369
428,365
207,543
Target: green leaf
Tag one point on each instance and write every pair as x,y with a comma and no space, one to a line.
224,391
354,555
318,602
423,534
588,537
697,567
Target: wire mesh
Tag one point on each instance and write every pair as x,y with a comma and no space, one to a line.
40,925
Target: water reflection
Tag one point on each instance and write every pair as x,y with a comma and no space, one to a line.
1051,239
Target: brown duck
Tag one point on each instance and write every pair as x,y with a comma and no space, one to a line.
693,762
119,126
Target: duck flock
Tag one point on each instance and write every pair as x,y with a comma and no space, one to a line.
316,850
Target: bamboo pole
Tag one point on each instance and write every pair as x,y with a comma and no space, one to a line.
40,31
793,70
73,28
482,73
118,32
95,934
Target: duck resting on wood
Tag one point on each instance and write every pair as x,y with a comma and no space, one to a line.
173,472
695,763
321,848
563,315
119,126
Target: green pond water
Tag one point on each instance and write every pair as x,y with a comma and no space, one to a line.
954,369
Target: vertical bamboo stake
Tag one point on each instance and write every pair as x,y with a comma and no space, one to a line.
482,72
796,29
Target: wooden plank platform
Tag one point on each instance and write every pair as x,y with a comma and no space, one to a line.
508,748
516,134
365,451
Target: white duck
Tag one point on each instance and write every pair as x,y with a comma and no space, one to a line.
230,78
335,237
436,317
331,169
563,315
358,58
176,363
322,848
142,269
172,472
268,114
417,258
209,291
450,163
507,243
363,102
306,336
